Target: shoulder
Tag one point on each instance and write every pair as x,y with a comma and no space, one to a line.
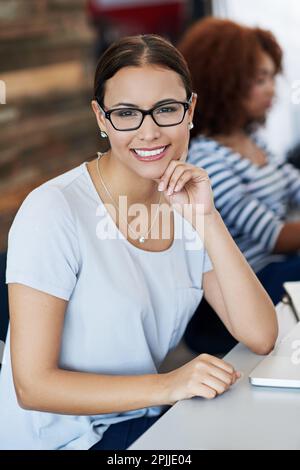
53,193
49,202
211,156
43,243
202,143
205,149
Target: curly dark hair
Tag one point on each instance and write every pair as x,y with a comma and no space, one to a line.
223,57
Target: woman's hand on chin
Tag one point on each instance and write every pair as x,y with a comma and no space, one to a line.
185,184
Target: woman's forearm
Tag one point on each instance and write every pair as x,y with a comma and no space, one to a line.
288,240
77,393
250,310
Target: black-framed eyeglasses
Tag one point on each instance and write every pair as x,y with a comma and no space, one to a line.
168,114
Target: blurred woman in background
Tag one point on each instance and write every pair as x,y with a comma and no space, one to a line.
233,71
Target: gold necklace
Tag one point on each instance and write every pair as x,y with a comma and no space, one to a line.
142,238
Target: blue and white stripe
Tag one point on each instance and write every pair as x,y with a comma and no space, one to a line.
253,201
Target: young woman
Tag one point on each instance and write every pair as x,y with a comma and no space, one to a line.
95,302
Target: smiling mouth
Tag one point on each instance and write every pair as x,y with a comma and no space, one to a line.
150,155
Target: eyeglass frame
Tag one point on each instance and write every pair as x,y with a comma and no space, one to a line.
145,112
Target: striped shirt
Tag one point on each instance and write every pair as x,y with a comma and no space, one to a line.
253,200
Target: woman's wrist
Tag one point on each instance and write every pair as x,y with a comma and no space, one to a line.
211,220
164,388
203,222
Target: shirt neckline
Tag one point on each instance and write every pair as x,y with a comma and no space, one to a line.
120,234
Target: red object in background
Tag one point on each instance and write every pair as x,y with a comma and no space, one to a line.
141,17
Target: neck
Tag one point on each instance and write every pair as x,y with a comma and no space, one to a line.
121,181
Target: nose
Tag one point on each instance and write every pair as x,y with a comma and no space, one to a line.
149,130
271,87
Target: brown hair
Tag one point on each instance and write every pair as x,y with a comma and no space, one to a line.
137,51
222,57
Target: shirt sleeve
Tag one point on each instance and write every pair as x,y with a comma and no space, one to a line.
43,248
292,176
241,212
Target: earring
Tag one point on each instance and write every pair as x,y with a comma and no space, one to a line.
103,134
190,126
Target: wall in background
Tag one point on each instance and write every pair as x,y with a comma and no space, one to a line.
47,125
48,50
283,19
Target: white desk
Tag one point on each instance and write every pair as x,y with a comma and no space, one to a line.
245,417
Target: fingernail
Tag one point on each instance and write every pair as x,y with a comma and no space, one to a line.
170,190
176,189
161,186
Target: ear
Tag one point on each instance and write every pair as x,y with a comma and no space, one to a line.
99,115
192,107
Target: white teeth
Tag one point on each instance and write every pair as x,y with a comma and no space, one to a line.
149,153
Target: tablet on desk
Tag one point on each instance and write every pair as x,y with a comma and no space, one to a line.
292,290
281,368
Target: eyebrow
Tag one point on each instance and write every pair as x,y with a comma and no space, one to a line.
131,105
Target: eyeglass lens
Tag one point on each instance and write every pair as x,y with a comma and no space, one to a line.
164,115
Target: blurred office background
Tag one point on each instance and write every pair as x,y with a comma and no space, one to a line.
48,51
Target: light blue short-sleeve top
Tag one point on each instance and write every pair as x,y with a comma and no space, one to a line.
127,307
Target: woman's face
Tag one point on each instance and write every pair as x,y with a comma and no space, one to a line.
262,92
143,87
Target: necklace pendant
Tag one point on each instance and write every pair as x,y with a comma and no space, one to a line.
142,239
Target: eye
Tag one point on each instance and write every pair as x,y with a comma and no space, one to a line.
167,109
264,79
260,81
125,113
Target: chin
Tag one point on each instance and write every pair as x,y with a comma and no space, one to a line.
152,173
153,170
